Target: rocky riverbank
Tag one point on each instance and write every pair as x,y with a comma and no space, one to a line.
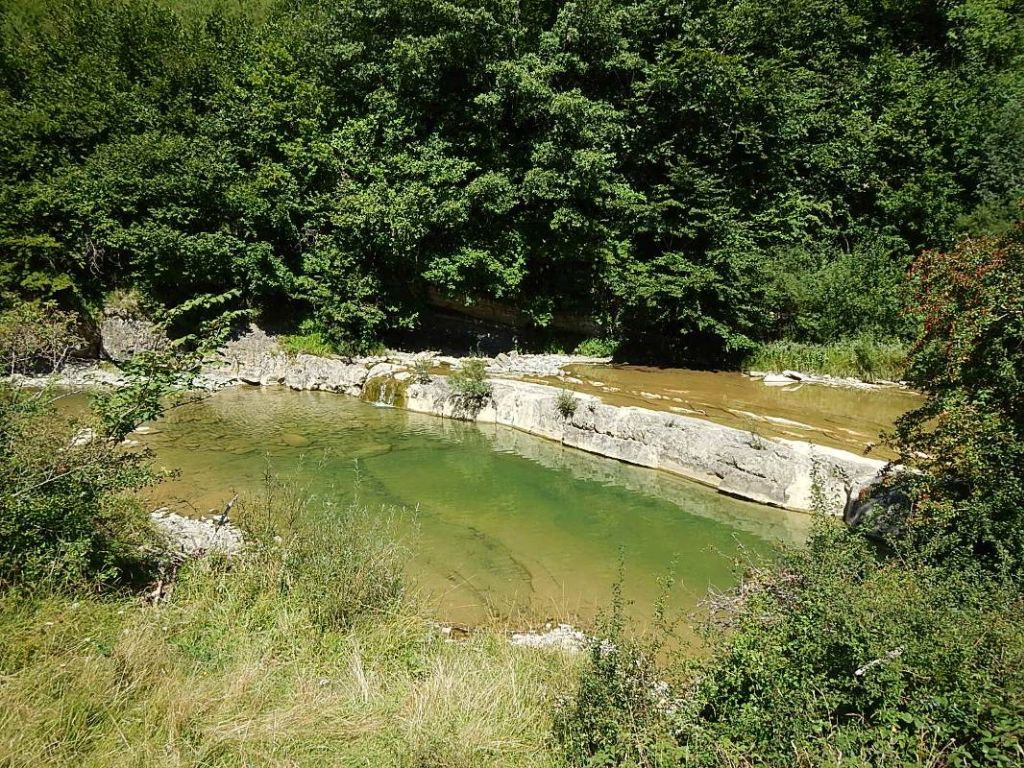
786,473
795,378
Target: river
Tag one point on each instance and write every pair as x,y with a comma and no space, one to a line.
841,417
502,526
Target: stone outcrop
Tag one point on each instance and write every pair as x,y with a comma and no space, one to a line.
123,336
782,473
193,537
563,637
257,359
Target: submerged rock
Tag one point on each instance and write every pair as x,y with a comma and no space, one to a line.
797,377
294,440
540,365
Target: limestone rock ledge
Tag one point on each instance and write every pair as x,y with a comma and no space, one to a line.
782,473
257,359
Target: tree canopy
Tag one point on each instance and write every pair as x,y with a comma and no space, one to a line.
693,177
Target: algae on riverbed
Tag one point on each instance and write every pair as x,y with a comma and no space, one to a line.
507,524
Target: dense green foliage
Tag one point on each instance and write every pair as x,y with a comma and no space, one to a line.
837,659
693,177
68,517
65,517
968,438
849,653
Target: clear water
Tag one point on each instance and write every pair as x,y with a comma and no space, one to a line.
850,419
503,525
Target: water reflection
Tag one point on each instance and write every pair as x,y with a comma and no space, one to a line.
507,525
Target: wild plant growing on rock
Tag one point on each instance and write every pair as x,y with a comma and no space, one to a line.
421,371
566,404
469,382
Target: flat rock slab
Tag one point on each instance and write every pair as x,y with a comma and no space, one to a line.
782,473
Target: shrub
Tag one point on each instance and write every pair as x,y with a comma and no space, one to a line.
36,337
834,653
469,381
306,344
620,711
968,437
151,380
830,652
421,371
310,340
65,518
127,303
67,513
825,297
596,347
566,403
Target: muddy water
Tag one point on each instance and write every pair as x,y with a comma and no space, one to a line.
503,525
851,419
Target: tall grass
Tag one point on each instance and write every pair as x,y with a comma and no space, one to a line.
862,357
308,650
312,343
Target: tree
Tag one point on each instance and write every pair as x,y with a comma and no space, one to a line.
968,437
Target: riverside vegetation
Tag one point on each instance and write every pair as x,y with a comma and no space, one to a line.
307,649
688,181
698,181
895,642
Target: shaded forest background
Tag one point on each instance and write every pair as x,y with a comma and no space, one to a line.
692,179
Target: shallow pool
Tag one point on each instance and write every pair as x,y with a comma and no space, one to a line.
502,525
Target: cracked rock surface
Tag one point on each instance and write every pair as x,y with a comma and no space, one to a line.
194,537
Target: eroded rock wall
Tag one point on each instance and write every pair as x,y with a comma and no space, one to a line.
779,472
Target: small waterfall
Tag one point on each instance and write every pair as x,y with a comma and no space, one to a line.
386,390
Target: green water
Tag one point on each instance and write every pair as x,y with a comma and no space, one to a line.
502,525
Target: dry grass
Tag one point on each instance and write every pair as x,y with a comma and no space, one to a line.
187,683
244,667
